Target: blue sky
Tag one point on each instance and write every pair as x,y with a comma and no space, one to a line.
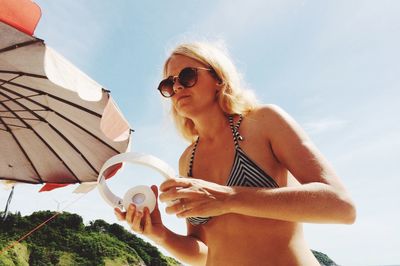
333,65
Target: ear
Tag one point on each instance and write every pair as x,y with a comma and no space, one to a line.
219,87
220,84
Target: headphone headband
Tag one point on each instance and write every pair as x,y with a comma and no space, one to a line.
135,158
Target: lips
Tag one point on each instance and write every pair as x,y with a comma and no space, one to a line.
182,97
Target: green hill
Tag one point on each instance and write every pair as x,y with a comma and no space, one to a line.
65,240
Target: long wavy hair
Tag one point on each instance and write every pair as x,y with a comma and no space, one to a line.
232,98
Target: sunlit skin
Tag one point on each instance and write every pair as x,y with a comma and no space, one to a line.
250,226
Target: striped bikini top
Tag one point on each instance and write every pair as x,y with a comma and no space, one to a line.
245,172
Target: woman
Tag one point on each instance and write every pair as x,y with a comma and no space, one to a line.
251,175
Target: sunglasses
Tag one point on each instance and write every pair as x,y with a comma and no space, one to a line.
187,78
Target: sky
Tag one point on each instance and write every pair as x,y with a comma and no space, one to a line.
333,65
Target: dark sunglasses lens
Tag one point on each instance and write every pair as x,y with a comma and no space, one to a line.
166,88
188,77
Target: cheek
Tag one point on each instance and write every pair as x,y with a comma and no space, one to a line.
208,89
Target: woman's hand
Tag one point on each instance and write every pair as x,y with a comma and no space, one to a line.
195,197
142,222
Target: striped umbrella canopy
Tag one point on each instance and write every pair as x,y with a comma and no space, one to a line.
57,125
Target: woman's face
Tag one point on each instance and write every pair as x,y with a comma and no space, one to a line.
200,97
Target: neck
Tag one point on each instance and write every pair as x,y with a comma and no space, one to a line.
210,124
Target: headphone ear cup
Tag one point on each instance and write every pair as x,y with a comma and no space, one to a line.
141,196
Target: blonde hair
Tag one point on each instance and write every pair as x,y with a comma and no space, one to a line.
232,98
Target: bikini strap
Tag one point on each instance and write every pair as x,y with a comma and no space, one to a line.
236,138
190,172
235,129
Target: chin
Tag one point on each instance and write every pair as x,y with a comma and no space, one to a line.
185,110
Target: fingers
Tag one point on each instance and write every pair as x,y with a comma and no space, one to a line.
178,207
155,190
175,182
136,225
130,213
155,214
140,221
174,194
186,209
134,218
192,212
119,214
182,206
147,220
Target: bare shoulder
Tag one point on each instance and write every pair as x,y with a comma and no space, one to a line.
271,117
268,111
184,160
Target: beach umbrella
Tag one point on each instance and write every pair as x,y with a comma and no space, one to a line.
57,125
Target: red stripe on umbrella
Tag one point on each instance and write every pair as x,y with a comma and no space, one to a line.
23,15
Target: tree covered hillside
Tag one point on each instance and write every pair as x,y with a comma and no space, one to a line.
65,240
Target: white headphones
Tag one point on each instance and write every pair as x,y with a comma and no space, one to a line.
141,196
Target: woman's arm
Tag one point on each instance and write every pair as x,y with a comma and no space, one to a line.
312,203
184,248
187,249
318,197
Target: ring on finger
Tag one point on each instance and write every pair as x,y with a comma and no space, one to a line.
183,206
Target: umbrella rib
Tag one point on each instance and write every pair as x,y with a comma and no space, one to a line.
48,94
20,180
35,110
18,98
11,117
20,146
28,181
87,131
62,116
1,71
19,45
12,125
40,118
19,73
40,137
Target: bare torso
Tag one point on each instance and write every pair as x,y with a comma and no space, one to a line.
234,239
240,240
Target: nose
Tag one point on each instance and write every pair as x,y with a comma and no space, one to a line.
177,85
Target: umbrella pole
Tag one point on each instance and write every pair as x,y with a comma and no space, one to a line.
5,213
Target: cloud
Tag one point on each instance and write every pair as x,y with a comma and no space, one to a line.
323,125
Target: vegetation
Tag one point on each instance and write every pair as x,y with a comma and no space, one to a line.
65,240
323,259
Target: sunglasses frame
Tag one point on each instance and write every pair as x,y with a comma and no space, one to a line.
173,80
